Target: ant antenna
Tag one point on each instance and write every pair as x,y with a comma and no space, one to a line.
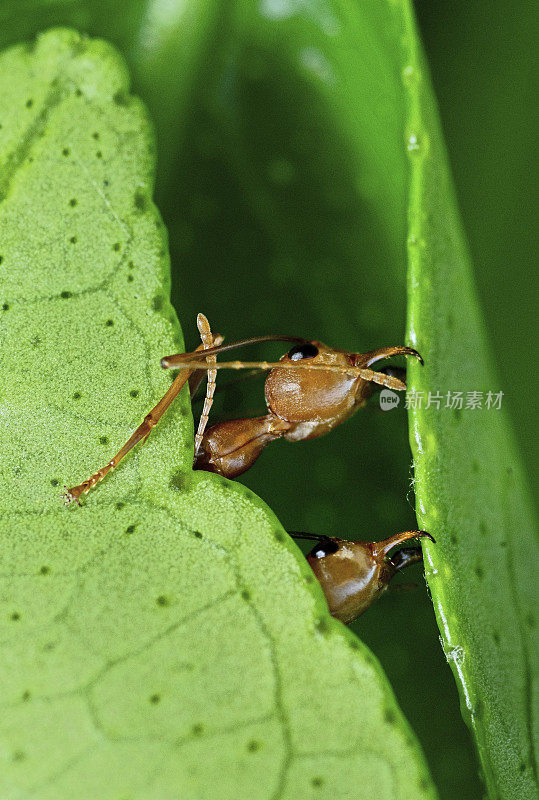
178,360
315,537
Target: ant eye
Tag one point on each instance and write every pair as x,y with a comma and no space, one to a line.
300,351
325,548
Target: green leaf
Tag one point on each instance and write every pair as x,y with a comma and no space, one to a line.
469,484
282,176
166,639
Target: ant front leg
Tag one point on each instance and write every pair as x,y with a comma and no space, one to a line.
139,436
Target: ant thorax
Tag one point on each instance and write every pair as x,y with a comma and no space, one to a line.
315,400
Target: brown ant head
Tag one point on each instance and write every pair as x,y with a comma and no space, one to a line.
354,573
317,398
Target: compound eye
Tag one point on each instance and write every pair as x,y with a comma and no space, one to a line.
301,351
325,548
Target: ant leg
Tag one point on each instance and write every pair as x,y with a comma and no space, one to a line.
207,341
186,361
140,435
395,372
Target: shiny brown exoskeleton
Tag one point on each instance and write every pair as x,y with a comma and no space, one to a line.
308,392
302,404
353,574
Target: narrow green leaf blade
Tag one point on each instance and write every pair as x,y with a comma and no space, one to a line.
166,639
470,488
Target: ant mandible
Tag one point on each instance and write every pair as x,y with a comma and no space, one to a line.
309,391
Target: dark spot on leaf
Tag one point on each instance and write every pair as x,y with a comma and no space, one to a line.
29,103
1,259
121,98
279,536
78,92
354,644
246,594
105,182
197,534
54,482
65,295
66,151
479,572
179,480
317,782
5,306
95,135
309,578
77,395
44,570
157,302
522,766
476,466
116,246
453,539
19,755
130,529
253,746
109,323
49,646
119,505
15,616
73,202
162,600
134,393
496,637
140,201
130,279
99,154
103,440
322,625
25,696
73,240
155,698
131,265
390,716
197,729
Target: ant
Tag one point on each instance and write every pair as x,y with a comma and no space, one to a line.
353,574
308,392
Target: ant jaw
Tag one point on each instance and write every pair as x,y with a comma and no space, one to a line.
367,359
382,549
